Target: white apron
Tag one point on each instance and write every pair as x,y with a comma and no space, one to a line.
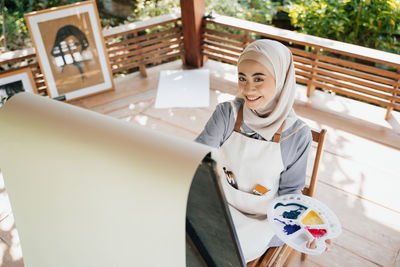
252,162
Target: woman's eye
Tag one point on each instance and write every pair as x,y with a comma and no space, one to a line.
242,79
258,79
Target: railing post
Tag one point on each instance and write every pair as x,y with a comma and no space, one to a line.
192,13
142,66
245,39
311,86
396,87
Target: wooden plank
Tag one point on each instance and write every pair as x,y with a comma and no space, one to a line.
356,95
140,25
357,66
223,46
124,88
137,39
346,78
218,57
149,42
18,55
308,40
356,73
225,35
152,60
143,57
355,88
217,50
223,41
357,218
192,13
303,53
302,60
143,50
349,78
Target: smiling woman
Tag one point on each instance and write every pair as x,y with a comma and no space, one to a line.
262,145
256,83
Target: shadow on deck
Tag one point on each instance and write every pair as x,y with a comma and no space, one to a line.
358,176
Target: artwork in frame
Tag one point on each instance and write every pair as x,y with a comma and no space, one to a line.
14,82
71,51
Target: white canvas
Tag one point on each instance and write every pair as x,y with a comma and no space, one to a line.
183,88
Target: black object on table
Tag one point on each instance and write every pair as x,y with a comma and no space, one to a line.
211,238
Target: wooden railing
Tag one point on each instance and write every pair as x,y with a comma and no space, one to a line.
362,73
129,46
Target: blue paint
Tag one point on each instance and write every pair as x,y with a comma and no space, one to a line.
290,204
289,228
293,214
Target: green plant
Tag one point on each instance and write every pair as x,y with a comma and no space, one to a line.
260,11
370,23
17,35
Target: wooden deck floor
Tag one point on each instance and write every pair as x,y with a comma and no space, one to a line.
359,175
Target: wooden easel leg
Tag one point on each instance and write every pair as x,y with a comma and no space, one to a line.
303,256
183,59
388,110
142,70
290,258
310,89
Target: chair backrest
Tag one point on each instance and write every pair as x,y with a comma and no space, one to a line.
319,138
277,256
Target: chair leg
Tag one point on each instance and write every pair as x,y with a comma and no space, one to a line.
281,256
254,263
264,259
290,258
303,256
269,256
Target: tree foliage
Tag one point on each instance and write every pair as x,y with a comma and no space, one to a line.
370,23
16,29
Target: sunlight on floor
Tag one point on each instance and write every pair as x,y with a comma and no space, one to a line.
222,97
10,247
141,119
15,250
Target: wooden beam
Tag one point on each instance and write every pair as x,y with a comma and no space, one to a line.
192,12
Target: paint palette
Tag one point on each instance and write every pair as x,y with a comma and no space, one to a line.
296,219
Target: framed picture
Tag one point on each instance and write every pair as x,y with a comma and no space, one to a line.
14,82
71,51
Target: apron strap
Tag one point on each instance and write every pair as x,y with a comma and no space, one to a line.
238,123
277,135
239,119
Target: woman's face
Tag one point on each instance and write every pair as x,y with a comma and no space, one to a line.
256,84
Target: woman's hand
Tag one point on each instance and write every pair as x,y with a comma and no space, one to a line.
312,244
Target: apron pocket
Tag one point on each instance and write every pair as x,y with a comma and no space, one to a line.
247,202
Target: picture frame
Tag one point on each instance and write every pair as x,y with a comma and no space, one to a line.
70,50
14,82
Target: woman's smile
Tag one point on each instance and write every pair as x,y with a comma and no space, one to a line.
253,98
256,84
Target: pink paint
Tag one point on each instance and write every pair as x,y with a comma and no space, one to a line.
317,232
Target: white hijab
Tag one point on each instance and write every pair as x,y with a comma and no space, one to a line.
278,59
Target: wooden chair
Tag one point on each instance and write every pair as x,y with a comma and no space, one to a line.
283,256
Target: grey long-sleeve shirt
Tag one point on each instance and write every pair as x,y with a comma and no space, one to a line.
295,144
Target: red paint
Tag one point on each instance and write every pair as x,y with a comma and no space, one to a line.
317,232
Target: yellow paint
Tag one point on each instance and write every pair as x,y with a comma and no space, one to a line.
312,218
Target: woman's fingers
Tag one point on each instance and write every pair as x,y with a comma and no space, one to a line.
328,243
311,244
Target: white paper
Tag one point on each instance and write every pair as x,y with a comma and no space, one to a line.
91,190
183,88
